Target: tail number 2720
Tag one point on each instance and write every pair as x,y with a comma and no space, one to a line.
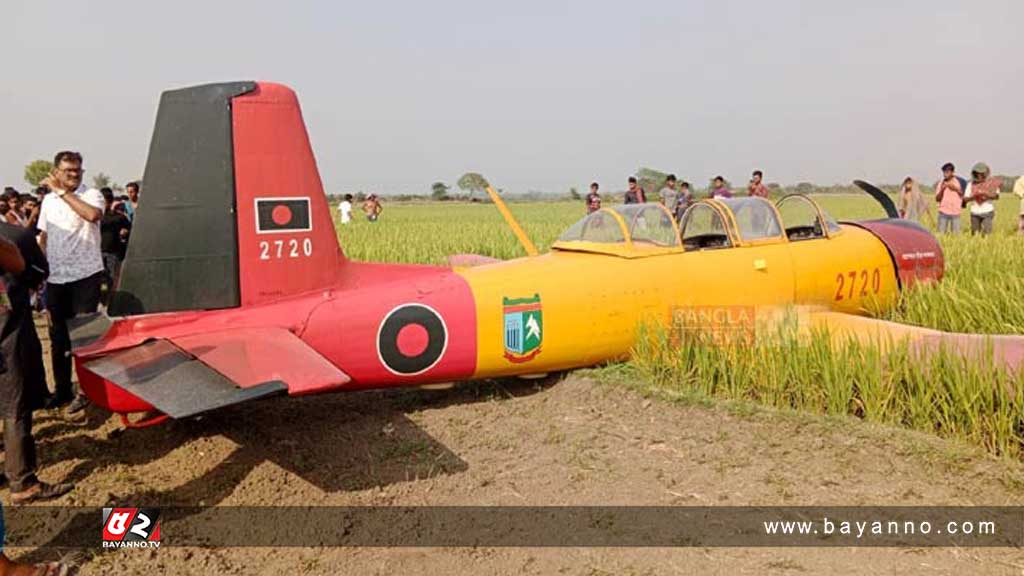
857,282
285,249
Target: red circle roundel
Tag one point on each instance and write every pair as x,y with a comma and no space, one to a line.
281,214
411,339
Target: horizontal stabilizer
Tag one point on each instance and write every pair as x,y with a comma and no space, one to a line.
251,356
173,381
88,328
186,375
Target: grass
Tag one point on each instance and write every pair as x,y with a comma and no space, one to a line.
945,394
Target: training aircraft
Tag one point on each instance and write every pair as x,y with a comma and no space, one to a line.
235,287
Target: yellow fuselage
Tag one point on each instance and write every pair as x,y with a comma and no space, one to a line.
592,303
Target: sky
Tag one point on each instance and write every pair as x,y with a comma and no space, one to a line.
537,96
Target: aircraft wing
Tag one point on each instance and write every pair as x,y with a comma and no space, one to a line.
184,376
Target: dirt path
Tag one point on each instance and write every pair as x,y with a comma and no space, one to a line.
572,442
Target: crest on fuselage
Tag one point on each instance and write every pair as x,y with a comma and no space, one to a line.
524,328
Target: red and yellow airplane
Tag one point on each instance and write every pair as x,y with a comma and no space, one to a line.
235,287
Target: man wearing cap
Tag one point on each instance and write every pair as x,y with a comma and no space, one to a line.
981,191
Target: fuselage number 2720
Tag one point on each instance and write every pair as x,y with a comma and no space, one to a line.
857,283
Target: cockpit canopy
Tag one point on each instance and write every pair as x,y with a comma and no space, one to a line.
637,230
624,230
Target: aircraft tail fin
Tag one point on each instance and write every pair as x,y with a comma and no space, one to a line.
232,211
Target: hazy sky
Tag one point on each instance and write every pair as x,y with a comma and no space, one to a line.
537,95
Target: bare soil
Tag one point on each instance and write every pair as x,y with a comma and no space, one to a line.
576,441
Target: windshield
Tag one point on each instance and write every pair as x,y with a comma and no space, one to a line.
597,226
755,218
643,223
703,228
800,217
648,223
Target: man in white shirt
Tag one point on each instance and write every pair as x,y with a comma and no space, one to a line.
982,190
345,209
69,225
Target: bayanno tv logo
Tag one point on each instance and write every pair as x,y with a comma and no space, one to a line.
131,527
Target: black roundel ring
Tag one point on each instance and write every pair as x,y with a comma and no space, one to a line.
424,335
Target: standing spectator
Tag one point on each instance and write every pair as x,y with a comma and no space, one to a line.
372,208
635,194
593,199
949,193
12,209
1018,189
982,189
719,189
669,196
69,221
23,385
345,209
114,230
685,199
912,205
132,188
757,187
30,210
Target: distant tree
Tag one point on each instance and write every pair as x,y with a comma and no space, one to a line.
472,183
439,191
651,181
574,194
805,188
36,170
102,180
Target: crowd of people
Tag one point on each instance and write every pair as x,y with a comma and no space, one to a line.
953,194
59,249
676,194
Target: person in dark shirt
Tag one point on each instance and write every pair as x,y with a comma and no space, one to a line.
23,385
593,199
114,231
635,194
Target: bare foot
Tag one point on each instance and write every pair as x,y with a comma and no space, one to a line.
10,568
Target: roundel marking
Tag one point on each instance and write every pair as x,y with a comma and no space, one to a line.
411,339
281,215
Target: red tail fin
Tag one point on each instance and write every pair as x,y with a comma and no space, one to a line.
232,212
286,238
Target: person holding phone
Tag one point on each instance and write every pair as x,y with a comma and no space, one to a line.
982,191
69,225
